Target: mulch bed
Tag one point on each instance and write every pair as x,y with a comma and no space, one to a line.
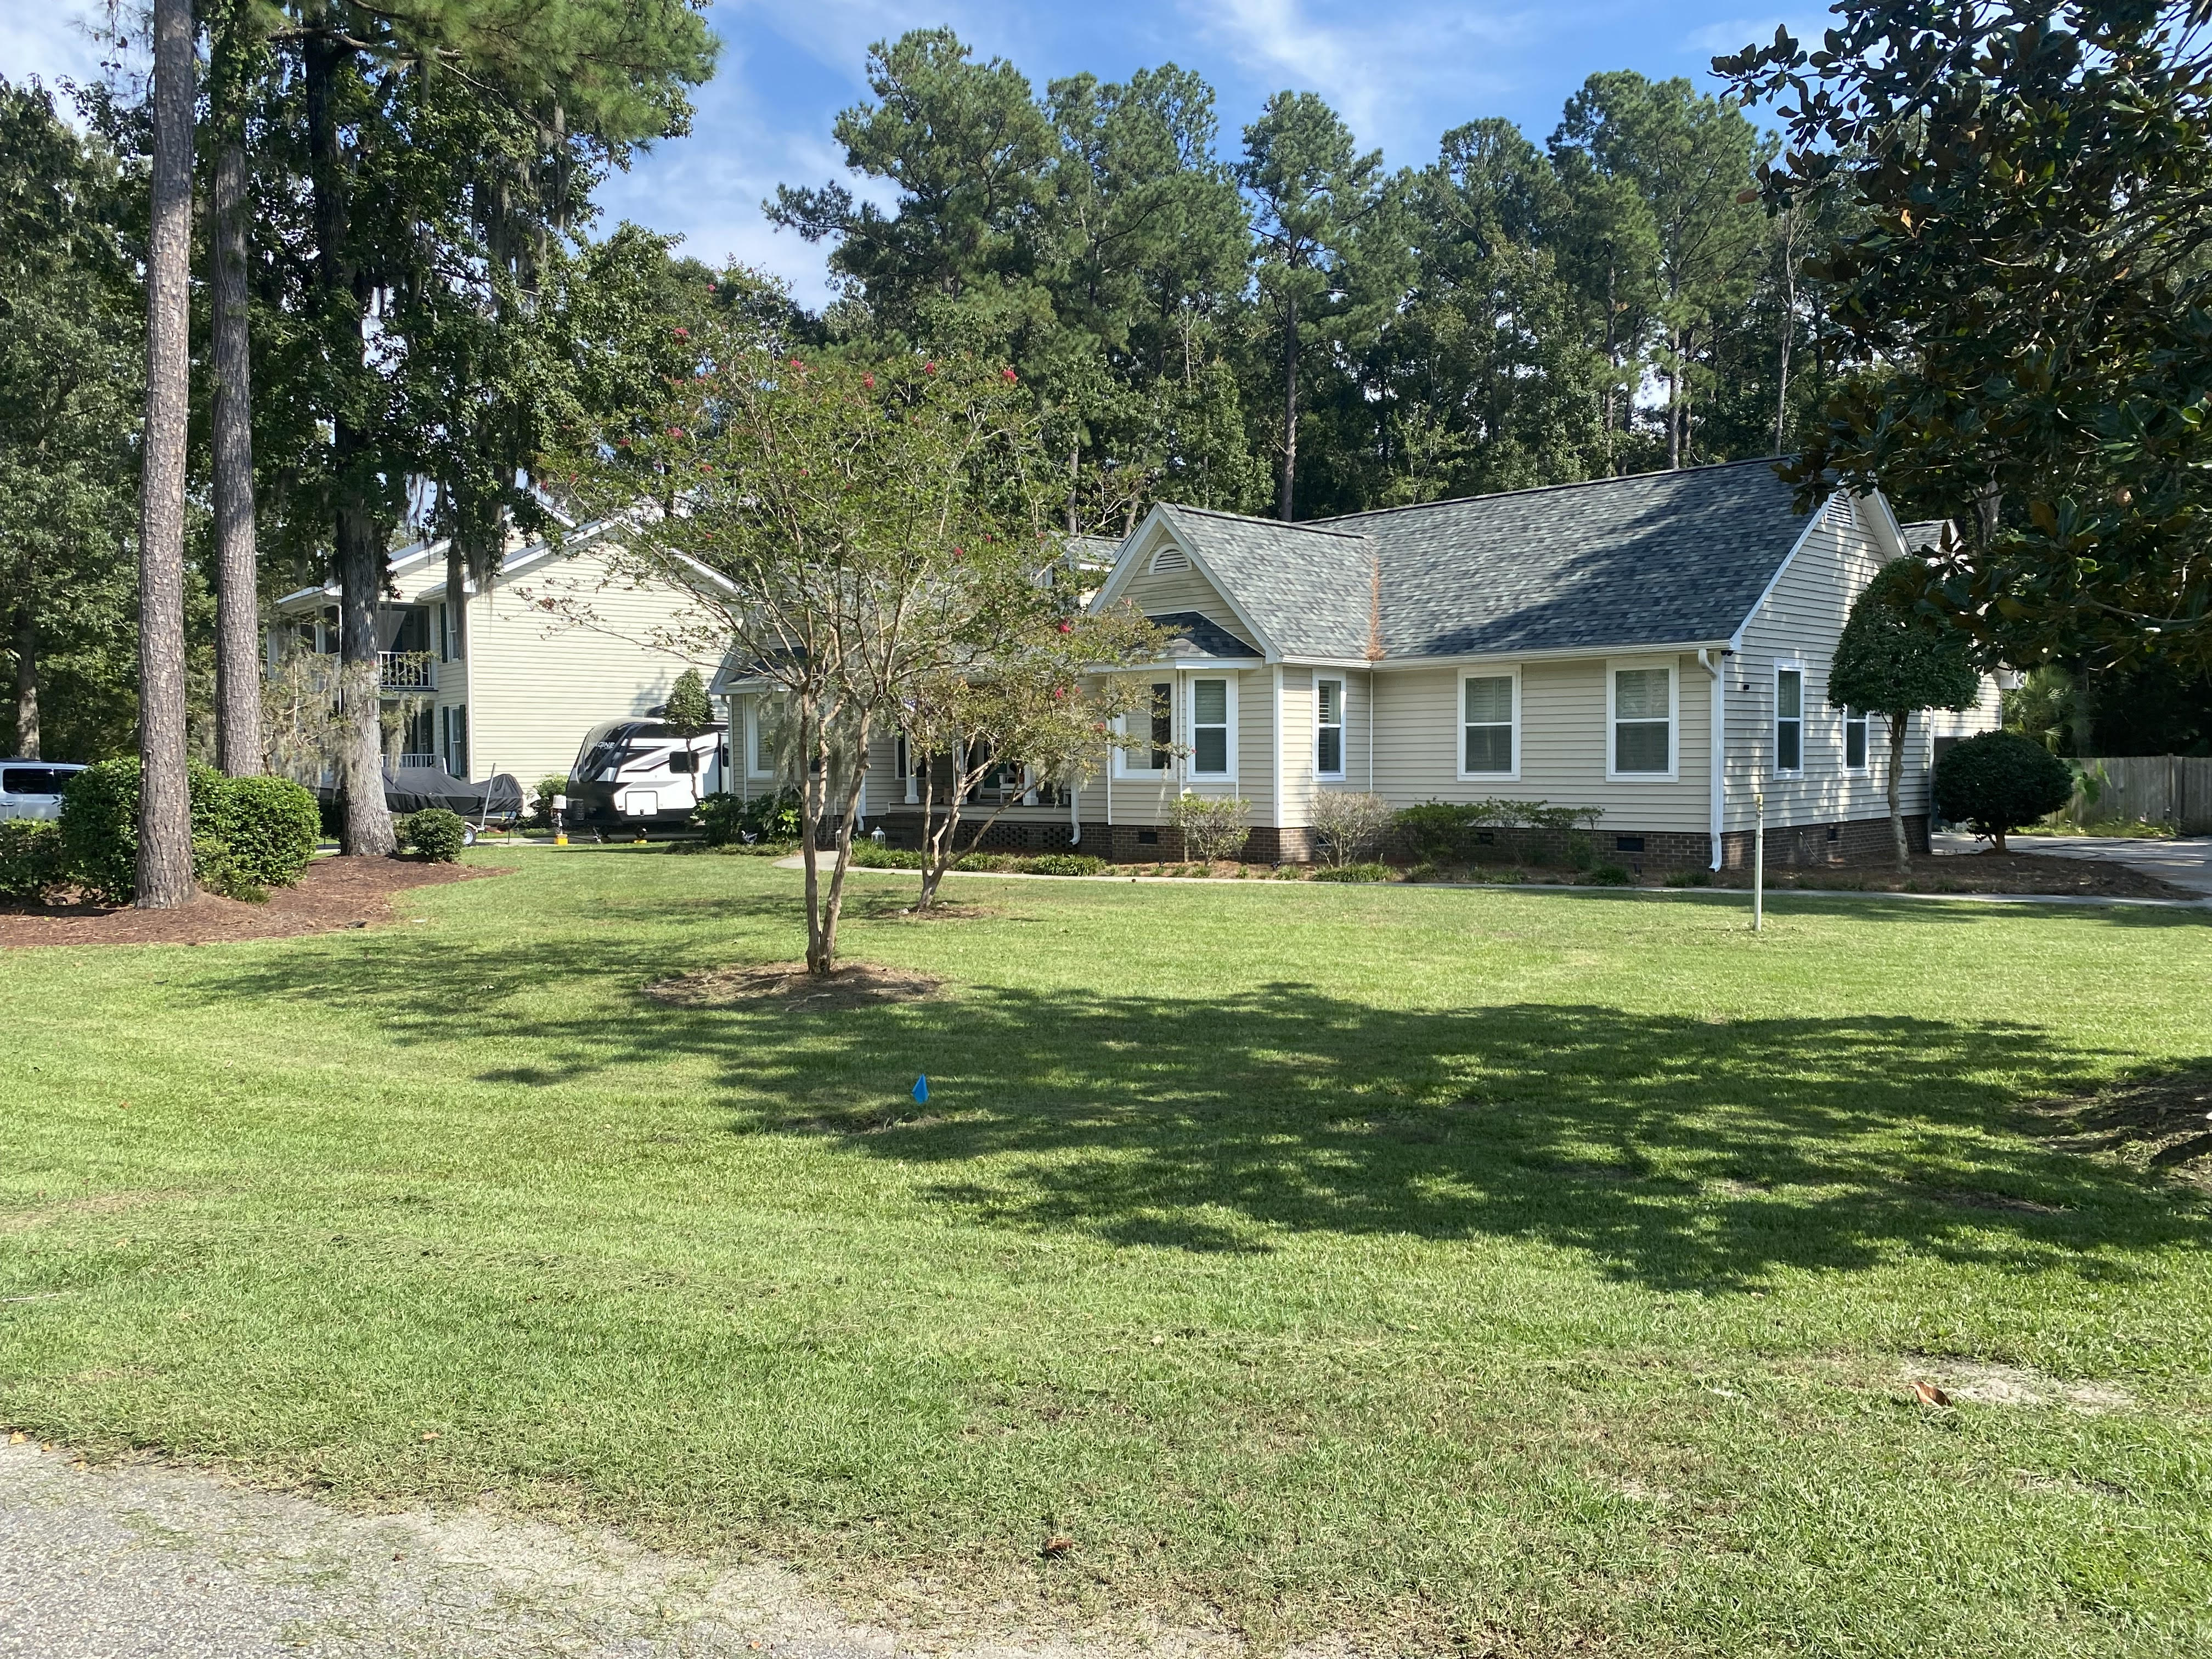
335,893
789,986
1973,872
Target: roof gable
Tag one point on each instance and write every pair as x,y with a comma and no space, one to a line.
1662,558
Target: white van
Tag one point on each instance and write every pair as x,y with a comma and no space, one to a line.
32,789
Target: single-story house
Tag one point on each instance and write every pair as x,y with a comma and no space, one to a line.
1654,647
514,687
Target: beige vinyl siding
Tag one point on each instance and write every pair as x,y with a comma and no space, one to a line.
1298,783
536,682
1802,619
1564,737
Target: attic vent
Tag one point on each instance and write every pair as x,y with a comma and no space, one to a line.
1169,559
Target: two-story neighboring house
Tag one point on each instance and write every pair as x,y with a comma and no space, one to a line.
1654,647
509,685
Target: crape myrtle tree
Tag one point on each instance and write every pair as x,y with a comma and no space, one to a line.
823,514
1895,658
1015,690
2026,267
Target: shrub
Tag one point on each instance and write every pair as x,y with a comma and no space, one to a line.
1066,864
1697,877
1212,826
1998,782
870,854
1349,827
1609,875
1453,832
436,835
99,825
1353,872
30,859
689,708
772,818
541,801
267,828
719,816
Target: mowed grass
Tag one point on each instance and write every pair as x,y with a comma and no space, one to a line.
1454,1270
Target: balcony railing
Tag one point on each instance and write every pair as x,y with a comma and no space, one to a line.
414,762
406,670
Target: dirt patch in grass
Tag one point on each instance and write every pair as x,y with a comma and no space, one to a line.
1979,1384
789,986
2164,1122
335,893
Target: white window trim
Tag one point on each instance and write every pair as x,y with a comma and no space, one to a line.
1342,728
1122,767
1229,732
1494,671
1857,716
1673,772
1789,666
753,739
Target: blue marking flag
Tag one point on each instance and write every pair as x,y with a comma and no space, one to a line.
921,1090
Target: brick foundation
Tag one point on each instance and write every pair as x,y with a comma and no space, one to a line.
1851,840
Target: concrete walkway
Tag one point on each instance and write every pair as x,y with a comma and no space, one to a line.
143,1561
2186,863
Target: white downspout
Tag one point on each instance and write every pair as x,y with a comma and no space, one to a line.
1371,731
1717,744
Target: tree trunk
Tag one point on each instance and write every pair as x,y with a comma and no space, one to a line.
933,843
27,683
238,610
165,824
1289,407
366,827
457,601
1903,848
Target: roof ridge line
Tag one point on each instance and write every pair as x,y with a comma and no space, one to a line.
1536,489
1314,527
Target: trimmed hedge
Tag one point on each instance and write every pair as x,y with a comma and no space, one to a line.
268,827
248,833
2000,781
435,834
30,859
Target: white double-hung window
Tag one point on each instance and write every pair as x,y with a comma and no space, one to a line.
1640,710
1329,728
1490,723
1855,740
1212,714
1789,720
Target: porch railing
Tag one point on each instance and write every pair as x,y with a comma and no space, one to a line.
406,670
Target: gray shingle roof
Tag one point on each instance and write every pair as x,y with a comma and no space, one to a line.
1660,559
1194,634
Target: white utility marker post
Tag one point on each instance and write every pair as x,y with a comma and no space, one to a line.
1758,862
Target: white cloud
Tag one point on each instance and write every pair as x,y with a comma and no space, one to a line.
1376,70
1737,32
54,42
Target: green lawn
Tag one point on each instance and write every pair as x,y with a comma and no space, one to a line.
1455,1269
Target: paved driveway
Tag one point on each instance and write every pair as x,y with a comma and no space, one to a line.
2186,863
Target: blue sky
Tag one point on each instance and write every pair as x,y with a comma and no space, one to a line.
1400,72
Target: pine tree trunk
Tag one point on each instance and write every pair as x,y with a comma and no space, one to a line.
1903,848
238,611
165,826
27,683
1290,407
365,827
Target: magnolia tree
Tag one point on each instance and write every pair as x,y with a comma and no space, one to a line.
826,516
1894,658
1018,692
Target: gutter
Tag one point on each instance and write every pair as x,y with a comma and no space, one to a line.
1717,744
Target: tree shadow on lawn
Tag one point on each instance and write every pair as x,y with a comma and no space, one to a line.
1677,1152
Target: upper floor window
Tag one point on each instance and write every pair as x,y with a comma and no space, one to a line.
1642,718
1329,728
1790,721
1209,728
1488,715
1855,740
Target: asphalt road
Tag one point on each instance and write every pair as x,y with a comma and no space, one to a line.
140,1561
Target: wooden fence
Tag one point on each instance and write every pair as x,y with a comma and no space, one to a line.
2172,789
